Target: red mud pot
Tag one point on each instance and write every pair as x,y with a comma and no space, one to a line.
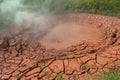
68,34
70,46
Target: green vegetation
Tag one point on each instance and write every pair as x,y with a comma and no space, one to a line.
44,61
59,77
105,7
112,75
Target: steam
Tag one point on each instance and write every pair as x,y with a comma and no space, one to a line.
9,5
35,20
40,19
21,12
13,10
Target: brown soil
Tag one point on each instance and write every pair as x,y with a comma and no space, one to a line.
75,46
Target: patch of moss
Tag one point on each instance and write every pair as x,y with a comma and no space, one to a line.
59,77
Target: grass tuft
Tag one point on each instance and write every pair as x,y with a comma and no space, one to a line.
111,75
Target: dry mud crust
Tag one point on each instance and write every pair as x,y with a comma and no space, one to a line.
23,56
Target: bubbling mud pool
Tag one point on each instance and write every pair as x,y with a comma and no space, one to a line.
85,45
69,34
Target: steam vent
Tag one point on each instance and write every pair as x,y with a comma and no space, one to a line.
71,46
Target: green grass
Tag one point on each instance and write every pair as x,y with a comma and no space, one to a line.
104,7
111,75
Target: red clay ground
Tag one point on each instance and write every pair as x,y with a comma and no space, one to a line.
75,46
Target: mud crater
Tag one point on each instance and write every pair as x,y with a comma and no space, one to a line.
70,34
81,45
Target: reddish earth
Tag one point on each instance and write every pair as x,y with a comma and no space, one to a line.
67,34
75,46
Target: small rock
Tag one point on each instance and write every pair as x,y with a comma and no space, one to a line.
14,78
12,42
22,69
1,41
16,73
23,78
33,71
35,78
32,76
4,77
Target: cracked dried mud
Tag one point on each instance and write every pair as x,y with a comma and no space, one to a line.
79,47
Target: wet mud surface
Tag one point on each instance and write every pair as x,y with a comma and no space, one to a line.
79,47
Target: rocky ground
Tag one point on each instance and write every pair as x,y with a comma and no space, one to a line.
24,57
